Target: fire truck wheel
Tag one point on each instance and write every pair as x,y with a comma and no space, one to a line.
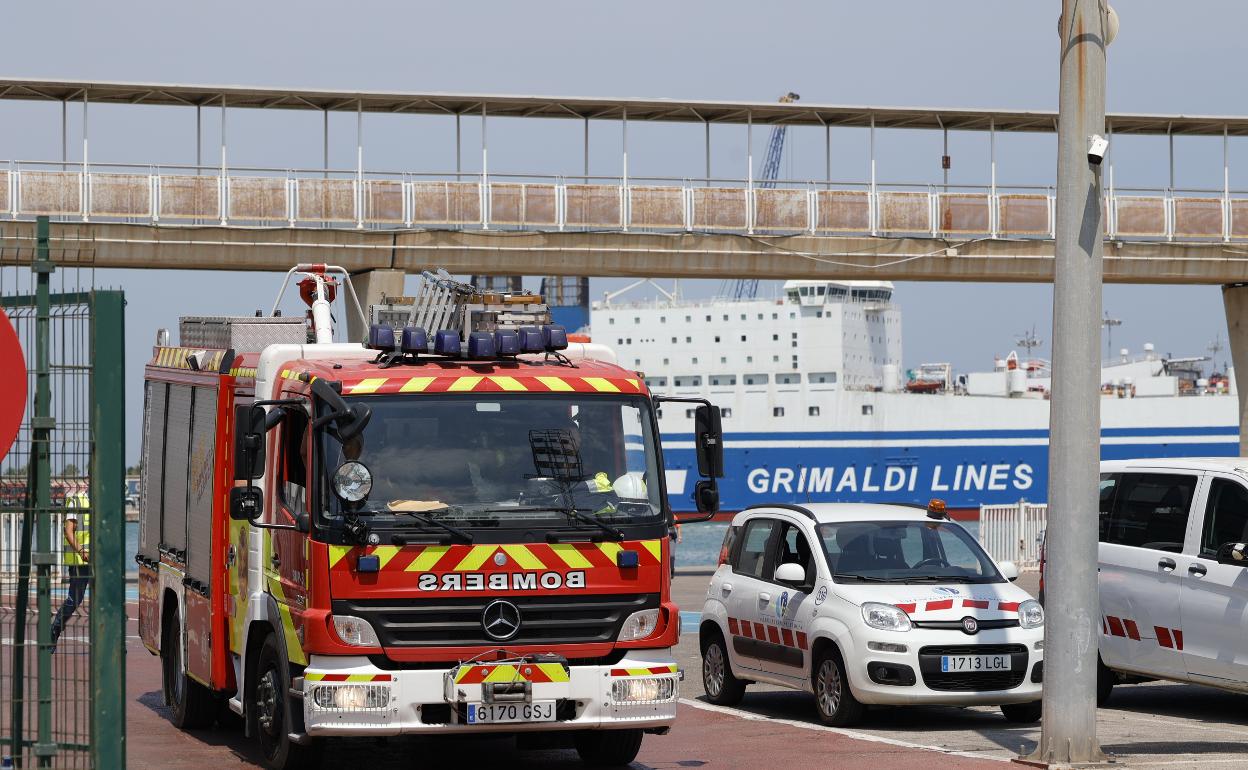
271,701
608,748
721,687
191,705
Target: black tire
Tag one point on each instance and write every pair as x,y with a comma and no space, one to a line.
191,705
834,700
272,713
718,682
608,748
1022,713
1105,681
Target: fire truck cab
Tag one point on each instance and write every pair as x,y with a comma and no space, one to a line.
459,526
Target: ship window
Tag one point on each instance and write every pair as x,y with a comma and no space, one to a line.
619,340
749,359
868,409
717,338
760,316
756,379
813,411
794,335
723,359
723,379
775,359
636,319
822,290
743,316
659,413
777,411
743,338
804,291
673,340
822,377
774,316
792,315
636,362
725,316
656,382
818,314
630,341
662,319
611,321
695,359
788,379
794,343
665,362
725,412
707,318
691,381
775,338
688,339
688,414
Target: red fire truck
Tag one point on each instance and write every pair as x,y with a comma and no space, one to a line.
459,526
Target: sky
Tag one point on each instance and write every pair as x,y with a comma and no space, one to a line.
1169,57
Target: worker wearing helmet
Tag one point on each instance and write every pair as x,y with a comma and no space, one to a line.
75,556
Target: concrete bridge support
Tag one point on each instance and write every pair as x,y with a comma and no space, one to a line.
1235,300
372,286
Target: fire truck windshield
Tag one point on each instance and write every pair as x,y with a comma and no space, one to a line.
501,461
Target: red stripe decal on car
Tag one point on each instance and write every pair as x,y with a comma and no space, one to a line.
1133,632
745,629
979,604
906,608
943,604
1115,626
1178,639
801,640
773,634
1163,637
732,625
788,637
759,631
1008,606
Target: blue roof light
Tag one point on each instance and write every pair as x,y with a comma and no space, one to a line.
555,337
414,340
481,345
380,337
531,339
446,343
508,342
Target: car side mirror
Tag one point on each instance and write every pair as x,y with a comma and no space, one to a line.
709,438
249,429
246,503
1234,554
1009,570
791,574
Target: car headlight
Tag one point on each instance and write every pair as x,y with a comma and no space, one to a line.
885,617
639,625
355,631
353,481
1030,614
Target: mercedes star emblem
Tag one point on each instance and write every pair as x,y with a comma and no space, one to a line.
969,626
500,558
500,619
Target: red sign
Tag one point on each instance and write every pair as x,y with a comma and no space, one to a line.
12,384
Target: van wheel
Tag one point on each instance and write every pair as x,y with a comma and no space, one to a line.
271,709
836,703
191,705
721,686
1105,681
1022,713
608,748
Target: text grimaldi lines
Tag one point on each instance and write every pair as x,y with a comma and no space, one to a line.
962,477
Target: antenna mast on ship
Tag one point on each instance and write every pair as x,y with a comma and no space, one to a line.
1029,341
1109,324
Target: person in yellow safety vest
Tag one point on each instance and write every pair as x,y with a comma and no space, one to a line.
76,557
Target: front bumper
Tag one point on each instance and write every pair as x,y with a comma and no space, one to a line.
431,701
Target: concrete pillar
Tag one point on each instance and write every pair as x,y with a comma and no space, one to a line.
1235,300
372,286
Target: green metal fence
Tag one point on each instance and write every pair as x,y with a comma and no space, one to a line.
63,698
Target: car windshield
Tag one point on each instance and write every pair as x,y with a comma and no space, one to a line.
905,552
505,460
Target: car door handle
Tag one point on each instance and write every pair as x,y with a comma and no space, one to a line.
1198,570
1167,563
764,598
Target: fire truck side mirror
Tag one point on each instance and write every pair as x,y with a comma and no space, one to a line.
706,496
710,442
246,503
249,430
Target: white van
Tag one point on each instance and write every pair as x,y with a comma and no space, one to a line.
1174,590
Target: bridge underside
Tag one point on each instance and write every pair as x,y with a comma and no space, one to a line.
680,255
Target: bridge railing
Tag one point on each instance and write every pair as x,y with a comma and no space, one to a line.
319,198
1013,532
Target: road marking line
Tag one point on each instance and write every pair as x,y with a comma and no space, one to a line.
838,730
1129,715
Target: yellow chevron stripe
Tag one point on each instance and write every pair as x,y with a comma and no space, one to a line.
634,384
571,557
508,383
555,383
504,673
476,557
655,547
427,558
385,553
555,671
610,549
601,384
416,385
368,386
359,677
336,552
313,677
464,384
524,557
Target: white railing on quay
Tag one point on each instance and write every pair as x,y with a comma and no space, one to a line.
1013,532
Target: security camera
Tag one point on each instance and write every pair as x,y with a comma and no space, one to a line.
1097,147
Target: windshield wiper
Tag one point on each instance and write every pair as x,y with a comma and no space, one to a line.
579,515
863,578
940,579
427,518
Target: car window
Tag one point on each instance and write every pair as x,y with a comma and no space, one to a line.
1149,510
905,552
753,555
793,547
1226,516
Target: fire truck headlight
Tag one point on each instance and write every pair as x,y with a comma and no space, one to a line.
351,697
639,625
353,481
644,690
355,631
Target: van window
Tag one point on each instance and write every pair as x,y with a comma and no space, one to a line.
753,554
1149,510
1226,516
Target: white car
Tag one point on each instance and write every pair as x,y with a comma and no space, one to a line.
1174,591
868,604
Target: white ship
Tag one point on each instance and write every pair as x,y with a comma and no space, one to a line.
817,405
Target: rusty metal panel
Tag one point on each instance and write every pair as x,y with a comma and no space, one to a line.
1138,215
964,213
1023,214
442,203
383,201
904,212
720,208
4,192
522,204
1239,217
190,197
780,210
325,200
120,195
50,192
1198,217
658,207
260,198
843,211
593,205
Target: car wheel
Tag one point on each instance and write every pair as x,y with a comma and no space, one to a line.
608,748
191,705
1105,681
721,686
836,703
1022,713
272,717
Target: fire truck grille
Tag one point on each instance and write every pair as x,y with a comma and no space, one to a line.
454,622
